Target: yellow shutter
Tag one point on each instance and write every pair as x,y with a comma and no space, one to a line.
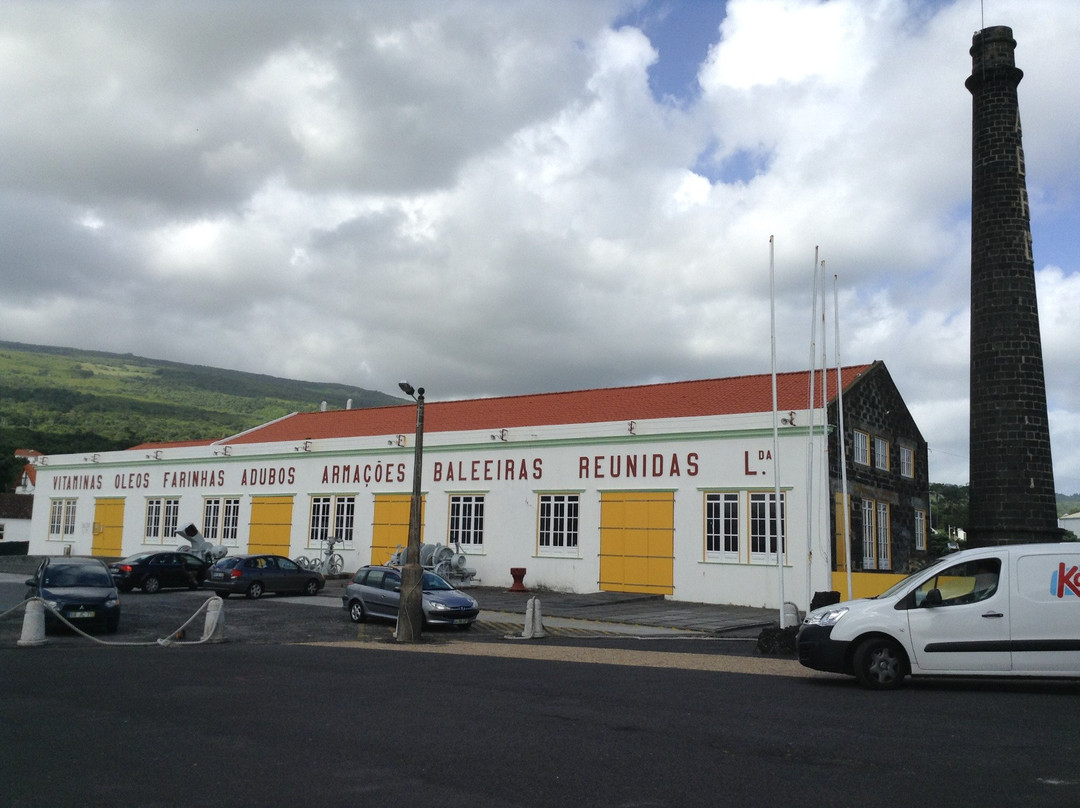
271,525
637,541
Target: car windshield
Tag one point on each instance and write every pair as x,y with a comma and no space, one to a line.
135,559
903,582
433,583
76,576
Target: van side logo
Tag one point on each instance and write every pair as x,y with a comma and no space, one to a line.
1065,582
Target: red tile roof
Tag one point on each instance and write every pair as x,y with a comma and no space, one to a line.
739,394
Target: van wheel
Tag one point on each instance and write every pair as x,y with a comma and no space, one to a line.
880,664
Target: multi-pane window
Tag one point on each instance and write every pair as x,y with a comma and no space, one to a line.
884,553
467,521
907,461
862,448
881,454
721,526
765,527
558,524
221,520
162,515
869,555
920,530
332,516
876,535
61,519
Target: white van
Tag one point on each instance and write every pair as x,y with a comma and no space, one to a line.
1000,611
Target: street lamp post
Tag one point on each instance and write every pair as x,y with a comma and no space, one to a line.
411,604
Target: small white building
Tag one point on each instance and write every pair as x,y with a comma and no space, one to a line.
666,488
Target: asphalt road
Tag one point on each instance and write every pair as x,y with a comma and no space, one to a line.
597,722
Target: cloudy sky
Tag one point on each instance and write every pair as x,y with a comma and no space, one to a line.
506,196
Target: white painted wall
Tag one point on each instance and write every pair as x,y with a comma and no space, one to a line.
711,453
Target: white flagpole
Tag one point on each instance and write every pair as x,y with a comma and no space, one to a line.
843,449
810,438
776,436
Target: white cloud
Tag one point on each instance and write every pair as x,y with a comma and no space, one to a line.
489,197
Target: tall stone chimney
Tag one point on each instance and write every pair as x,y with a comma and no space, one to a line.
1012,497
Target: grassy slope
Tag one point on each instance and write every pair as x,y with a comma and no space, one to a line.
66,400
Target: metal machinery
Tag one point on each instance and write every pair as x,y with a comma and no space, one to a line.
442,560
200,546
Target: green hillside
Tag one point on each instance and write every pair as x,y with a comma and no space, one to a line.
60,400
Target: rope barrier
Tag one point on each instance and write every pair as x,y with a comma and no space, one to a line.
172,638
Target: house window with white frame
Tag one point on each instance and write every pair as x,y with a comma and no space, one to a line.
466,529
881,454
869,537
61,519
221,520
920,529
907,462
861,448
162,516
332,516
557,533
764,527
722,526
884,544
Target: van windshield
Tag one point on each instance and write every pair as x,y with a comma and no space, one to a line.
903,582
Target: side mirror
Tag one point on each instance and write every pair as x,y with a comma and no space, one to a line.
31,582
933,598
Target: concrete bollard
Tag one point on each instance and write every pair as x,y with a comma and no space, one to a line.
534,622
538,621
214,629
33,629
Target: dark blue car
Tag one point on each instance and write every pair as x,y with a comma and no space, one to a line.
80,590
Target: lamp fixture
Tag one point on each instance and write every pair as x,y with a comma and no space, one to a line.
500,435
632,427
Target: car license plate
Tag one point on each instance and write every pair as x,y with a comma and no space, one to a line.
217,575
459,621
82,613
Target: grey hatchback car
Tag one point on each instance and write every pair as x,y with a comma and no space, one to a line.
375,592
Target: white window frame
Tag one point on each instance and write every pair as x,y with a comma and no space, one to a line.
331,515
920,529
881,453
722,525
883,529
869,536
221,520
62,519
465,526
763,526
907,462
161,520
557,524
861,447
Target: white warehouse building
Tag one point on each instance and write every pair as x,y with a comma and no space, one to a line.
667,488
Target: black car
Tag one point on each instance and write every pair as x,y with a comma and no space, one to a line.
255,575
81,590
153,571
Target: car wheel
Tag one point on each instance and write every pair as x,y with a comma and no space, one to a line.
356,611
880,664
311,587
151,584
255,590
113,624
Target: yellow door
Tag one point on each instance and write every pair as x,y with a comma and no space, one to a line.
271,525
637,541
390,528
108,528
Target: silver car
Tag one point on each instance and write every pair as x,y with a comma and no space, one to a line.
375,591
